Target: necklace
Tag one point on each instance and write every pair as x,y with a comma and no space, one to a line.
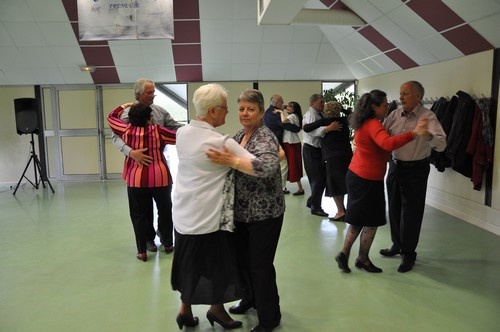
247,137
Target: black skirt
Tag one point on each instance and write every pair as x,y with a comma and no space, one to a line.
204,268
336,169
365,201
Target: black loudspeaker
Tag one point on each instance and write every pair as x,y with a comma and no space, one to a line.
27,115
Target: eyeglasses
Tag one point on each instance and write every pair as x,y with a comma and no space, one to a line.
222,106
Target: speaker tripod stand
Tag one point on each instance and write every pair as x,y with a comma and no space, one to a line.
38,171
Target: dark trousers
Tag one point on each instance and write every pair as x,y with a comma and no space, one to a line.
406,190
256,248
141,209
316,174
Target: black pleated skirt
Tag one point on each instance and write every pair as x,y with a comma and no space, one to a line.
336,169
365,201
204,268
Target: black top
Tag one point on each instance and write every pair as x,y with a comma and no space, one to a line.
335,143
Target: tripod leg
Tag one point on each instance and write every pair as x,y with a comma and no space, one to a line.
42,174
22,176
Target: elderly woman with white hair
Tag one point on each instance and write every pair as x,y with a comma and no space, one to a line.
204,268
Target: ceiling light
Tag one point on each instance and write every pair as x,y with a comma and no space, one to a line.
87,68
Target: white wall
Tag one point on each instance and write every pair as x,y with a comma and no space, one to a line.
15,150
450,191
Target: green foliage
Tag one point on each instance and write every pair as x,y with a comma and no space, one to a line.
346,98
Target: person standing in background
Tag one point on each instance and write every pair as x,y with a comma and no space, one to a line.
144,90
408,173
311,152
144,183
292,146
272,120
337,153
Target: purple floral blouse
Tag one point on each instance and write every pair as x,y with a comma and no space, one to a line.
260,197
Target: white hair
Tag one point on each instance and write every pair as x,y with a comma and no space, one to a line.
206,96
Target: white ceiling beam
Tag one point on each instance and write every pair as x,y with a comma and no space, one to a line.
327,17
278,11
286,12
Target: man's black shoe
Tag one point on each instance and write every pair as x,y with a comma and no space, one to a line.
406,266
151,246
259,328
407,262
240,308
390,252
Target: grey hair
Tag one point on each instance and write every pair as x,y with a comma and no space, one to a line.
419,87
140,86
274,99
253,96
315,97
206,96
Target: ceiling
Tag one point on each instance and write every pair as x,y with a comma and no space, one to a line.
221,40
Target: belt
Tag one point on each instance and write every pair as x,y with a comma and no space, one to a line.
312,146
410,163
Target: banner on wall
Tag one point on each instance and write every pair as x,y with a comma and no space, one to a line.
122,19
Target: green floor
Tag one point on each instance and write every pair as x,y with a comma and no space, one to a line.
68,264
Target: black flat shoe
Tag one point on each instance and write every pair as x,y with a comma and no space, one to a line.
341,260
189,321
320,213
229,326
241,308
389,252
298,193
368,268
341,218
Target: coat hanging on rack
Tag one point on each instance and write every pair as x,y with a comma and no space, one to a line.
460,134
480,145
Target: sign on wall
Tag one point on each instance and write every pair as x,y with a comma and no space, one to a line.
122,19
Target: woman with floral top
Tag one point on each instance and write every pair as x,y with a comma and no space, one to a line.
258,212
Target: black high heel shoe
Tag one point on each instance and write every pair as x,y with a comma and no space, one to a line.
186,320
368,268
233,325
